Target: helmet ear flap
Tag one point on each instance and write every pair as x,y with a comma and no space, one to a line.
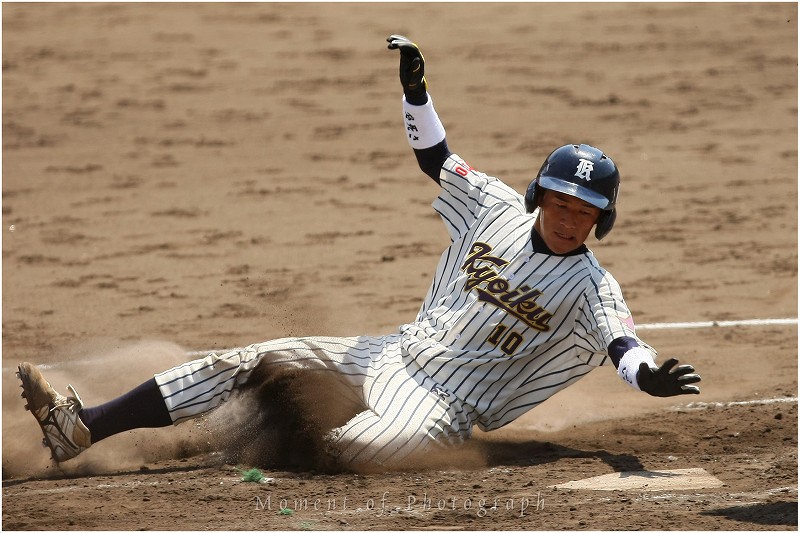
531,197
604,223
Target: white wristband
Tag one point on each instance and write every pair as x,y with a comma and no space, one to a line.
629,364
423,127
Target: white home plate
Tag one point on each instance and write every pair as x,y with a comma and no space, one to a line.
681,479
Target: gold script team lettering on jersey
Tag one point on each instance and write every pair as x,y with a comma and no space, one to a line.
519,302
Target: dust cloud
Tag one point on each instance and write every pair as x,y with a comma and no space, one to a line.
98,375
276,422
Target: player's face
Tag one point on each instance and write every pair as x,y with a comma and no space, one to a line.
564,222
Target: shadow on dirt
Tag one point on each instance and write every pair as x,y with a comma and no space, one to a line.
768,514
507,453
269,438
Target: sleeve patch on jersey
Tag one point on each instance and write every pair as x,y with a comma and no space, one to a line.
628,321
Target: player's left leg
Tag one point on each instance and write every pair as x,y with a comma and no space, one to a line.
410,422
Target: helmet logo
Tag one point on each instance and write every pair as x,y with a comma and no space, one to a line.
585,168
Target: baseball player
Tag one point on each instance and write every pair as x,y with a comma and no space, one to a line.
518,309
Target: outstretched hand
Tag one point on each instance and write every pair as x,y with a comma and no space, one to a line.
412,68
664,382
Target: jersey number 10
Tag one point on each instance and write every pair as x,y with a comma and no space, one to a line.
510,340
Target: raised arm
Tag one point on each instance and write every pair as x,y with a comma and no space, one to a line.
425,131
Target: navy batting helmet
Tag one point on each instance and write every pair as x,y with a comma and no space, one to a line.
582,171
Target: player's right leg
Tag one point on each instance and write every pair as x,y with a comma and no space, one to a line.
180,393
69,428
199,386
64,432
176,395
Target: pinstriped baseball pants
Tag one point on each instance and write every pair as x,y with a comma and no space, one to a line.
405,414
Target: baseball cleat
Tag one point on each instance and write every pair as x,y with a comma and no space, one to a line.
64,432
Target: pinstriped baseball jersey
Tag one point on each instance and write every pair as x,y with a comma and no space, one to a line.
504,326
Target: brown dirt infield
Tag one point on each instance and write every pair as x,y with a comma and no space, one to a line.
181,177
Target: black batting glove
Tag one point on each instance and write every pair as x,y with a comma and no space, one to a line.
661,382
412,69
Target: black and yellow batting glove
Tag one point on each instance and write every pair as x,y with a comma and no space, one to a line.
412,69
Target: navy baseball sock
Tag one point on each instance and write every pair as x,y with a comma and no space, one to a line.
143,407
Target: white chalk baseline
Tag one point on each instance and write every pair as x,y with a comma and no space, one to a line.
696,406
721,323
657,325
